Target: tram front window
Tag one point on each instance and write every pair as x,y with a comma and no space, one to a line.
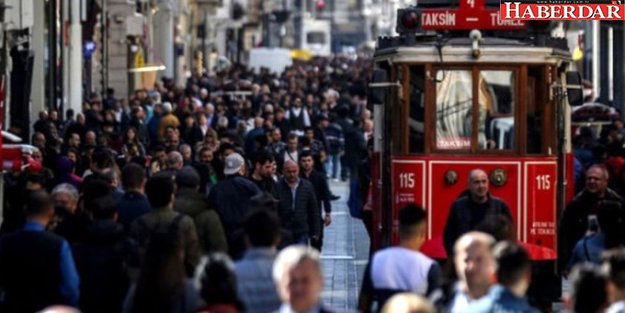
416,120
454,104
496,107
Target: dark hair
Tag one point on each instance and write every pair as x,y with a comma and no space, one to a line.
498,226
614,263
204,149
307,128
262,227
187,177
305,141
159,190
102,158
104,208
93,189
588,288
226,146
305,154
157,149
38,203
74,151
263,157
513,262
410,217
219,284
35,179
160,286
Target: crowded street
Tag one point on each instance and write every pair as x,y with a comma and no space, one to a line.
312,156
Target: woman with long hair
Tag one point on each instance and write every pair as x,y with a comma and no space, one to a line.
132,146
211,141
162,285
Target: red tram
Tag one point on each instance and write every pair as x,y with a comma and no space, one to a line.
457,90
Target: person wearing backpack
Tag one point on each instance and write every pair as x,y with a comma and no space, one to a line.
103,258
575,221
162,218
605,232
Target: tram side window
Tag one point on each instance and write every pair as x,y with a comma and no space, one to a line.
454,103
496,110
535,110
416,120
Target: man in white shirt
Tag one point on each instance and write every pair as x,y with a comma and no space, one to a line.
614,266
475,267
403,268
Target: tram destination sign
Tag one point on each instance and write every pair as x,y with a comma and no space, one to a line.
471,14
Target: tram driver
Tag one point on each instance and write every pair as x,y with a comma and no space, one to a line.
469,211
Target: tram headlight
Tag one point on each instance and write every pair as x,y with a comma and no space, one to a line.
407,20
451,177
498,177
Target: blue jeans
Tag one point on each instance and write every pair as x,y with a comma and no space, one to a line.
302,239
332,165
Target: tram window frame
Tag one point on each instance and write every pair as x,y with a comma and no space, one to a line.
475,72
515,77
415,114
537,75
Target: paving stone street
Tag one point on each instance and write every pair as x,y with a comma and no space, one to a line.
345,253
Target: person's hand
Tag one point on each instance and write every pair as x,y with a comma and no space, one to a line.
327,219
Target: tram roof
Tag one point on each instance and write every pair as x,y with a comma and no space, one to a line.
458,50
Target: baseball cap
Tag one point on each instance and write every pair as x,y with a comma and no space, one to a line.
167,107
234,162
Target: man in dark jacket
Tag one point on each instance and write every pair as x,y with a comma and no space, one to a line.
467,212
231,198
298,208
163,219
322,191
133,203
355,144
190,202
263,172
103,258
574,223
36,267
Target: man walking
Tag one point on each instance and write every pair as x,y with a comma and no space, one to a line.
322,191
232,199
298,208
36,267
254,284
584,207
403,268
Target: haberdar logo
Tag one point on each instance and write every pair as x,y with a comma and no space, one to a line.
605,10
